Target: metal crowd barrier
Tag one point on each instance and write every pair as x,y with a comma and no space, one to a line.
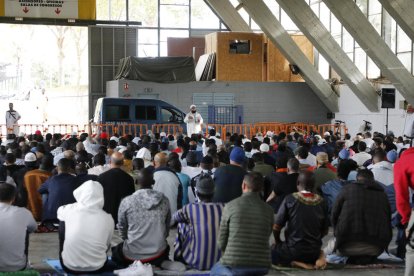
167,128
248,130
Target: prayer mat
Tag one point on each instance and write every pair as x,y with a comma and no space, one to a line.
346,266
29,272
54,264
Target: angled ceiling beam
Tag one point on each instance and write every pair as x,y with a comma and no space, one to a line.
229,15
279,37
371,42
403,13
315,31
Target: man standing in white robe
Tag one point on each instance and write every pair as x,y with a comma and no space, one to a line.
194,121
12,118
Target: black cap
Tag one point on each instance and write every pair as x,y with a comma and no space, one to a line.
191,158
205,185
207,160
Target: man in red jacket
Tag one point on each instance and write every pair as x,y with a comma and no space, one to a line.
403,180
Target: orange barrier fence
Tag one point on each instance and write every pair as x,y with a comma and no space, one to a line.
265,127
133,129
167,128
245,129
28,128
62,128
217,127
248,130
336,128
111,129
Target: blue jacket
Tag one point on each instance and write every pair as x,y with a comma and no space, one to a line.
331,190
60,192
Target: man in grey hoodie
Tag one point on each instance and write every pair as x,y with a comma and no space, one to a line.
143,221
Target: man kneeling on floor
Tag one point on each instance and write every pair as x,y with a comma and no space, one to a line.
144,223
306,216
246,225
85,231
198,223
361,218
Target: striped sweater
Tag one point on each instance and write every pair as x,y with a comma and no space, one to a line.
245,229
198,226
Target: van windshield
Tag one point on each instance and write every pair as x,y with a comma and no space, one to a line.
98,108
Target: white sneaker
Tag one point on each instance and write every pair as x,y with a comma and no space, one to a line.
137,268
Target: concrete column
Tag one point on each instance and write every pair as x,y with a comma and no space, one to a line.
371,42
315,31
229,15
403,13
279,37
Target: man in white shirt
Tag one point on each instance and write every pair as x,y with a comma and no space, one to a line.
194,121
192,169
99,166
12,118
382,169
368,140
362,156
305,157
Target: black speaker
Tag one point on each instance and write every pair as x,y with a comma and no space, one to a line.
388,98
294,69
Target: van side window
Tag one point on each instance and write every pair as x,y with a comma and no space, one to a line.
166,115
151,113
117,112
144,112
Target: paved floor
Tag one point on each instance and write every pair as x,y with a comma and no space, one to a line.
43,246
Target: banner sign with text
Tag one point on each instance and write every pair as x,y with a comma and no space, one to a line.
62,9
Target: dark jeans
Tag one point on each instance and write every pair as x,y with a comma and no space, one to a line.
107,267
119,258
283,255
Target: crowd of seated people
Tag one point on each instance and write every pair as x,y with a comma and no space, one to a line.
222,198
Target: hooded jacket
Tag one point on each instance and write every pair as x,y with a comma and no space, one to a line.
383,172
144,221
88,229
168,183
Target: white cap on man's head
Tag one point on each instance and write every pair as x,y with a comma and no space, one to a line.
192,106
136,140
114,138
264,147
